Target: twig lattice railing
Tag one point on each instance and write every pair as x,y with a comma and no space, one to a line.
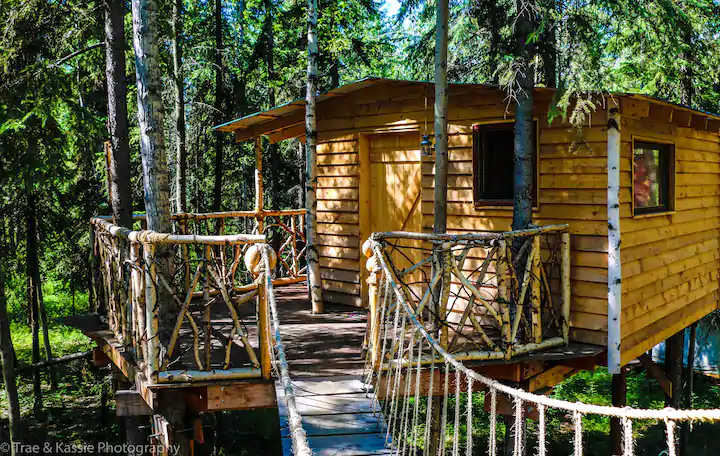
488,295
183,304
411,359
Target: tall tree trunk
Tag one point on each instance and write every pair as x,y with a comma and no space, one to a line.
32,287
117,112
180,146
301,174
495,39
155,172
548,49
441,103
313,262
217,192
274,180
46,330
687,69
523,177
7,356
440,192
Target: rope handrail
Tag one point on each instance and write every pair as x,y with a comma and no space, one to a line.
297,432
405,322
625,412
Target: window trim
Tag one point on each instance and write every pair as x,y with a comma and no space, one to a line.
672,166
482,203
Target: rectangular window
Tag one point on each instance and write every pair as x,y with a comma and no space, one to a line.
494,164
653,167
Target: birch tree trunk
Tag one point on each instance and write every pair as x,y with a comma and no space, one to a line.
217,191
274,180
117,112
313,263
441,103
440,191
7,356
180,145
523,177
155,177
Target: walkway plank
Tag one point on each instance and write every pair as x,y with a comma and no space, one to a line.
344,445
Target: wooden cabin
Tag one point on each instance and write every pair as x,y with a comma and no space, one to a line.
372,177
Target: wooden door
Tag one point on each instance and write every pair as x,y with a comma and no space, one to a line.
395,191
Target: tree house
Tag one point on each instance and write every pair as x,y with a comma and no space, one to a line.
646,168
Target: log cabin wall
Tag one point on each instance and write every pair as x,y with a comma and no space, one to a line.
670,261
572,181
338,219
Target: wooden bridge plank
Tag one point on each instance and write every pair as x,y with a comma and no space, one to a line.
344,445
328,405
345,424
328,386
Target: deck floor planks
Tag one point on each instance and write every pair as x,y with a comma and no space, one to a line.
326,367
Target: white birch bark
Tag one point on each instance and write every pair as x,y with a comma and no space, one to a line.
313,264
614,269
441,103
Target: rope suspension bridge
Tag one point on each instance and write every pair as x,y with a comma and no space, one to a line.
441,307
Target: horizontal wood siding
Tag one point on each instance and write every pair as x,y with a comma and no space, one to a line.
572,181
670,262
338,220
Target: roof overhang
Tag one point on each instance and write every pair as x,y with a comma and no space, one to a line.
290,117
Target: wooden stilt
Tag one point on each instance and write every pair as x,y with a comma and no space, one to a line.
688,375
673,367
619,399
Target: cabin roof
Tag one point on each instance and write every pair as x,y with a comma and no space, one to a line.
264,122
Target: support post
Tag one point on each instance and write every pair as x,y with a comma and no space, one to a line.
674,348
502,293
689,377
264,327
536,308
152,319
619,399
565,284
373,303
259,206
614,269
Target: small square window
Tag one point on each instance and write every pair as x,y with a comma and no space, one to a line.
494,164
653,177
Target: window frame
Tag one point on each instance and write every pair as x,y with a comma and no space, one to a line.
669,207
486,203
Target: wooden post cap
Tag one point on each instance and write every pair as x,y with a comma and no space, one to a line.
253,258
367,248
372,264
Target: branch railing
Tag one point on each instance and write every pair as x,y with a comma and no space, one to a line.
486,295
284,231
411,359
182,304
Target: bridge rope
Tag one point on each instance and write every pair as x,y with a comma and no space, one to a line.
298,435
399,359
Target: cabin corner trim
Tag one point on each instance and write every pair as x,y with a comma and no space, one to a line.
614,264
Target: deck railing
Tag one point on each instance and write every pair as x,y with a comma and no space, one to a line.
484,295
182,304
284,230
